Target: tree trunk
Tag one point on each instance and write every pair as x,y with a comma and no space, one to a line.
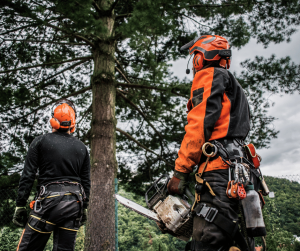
100,228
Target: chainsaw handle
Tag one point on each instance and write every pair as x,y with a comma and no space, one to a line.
189,194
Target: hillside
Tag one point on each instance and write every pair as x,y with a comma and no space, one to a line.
284,209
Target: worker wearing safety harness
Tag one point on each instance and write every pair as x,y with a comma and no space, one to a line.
218,122
63,166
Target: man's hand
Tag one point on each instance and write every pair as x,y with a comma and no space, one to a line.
20,217
84,217
178,183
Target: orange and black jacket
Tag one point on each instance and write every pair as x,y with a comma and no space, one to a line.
218,108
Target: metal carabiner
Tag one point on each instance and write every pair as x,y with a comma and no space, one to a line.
35,206
213,153
246,173
236,173
42,191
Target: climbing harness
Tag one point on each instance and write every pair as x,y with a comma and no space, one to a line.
64,188
200,182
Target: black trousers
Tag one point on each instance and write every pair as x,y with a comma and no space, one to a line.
33,240
59,215
208,235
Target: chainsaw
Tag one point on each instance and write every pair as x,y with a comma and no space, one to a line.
172,214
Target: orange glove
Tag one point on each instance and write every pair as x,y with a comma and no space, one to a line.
178,183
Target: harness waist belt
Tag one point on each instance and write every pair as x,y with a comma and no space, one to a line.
229,148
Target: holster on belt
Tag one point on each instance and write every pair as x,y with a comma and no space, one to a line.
252,155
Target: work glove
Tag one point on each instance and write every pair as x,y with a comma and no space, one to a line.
20,217
178,183
84,217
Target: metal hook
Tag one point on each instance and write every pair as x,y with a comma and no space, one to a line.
35,206
213,153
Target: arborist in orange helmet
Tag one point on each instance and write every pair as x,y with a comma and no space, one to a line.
60,205
218,113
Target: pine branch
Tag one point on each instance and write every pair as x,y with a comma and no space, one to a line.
141,145
83,90
216,5
123,75
150,88
20,28
86,113
46,64
66,69
193,20
123,15
141,86
140,112
98,9
113,6
62,30
41,41
121,67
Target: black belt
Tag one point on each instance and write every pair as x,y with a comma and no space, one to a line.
63,187
228,149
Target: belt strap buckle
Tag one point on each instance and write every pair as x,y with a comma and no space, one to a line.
208,213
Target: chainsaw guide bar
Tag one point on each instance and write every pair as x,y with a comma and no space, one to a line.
137,208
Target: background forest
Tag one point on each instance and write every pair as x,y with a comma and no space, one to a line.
136,233
113,59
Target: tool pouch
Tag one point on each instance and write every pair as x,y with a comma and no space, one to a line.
200,188
202,184
252,155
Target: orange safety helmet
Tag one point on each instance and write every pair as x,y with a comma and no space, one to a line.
64,115
209,48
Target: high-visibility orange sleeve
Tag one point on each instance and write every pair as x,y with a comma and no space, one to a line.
207,94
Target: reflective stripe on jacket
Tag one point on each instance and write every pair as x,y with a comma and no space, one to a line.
218,108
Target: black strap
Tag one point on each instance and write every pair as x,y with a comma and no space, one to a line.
188,246
212,215
200,246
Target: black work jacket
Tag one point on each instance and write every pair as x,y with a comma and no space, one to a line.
56,157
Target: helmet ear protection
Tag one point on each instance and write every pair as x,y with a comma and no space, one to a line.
56,124
198,61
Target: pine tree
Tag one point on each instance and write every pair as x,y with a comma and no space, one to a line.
112,59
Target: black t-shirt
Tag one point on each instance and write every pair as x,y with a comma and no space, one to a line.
56,156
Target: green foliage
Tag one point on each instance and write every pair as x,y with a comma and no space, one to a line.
284,208
47,50
297,246
9,238
8,195
135,233
138,233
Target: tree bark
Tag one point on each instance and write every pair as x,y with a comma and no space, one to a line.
100,228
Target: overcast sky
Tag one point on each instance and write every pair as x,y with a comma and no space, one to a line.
283,156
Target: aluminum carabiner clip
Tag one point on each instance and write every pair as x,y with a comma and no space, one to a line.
42,191
236,173
35,206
